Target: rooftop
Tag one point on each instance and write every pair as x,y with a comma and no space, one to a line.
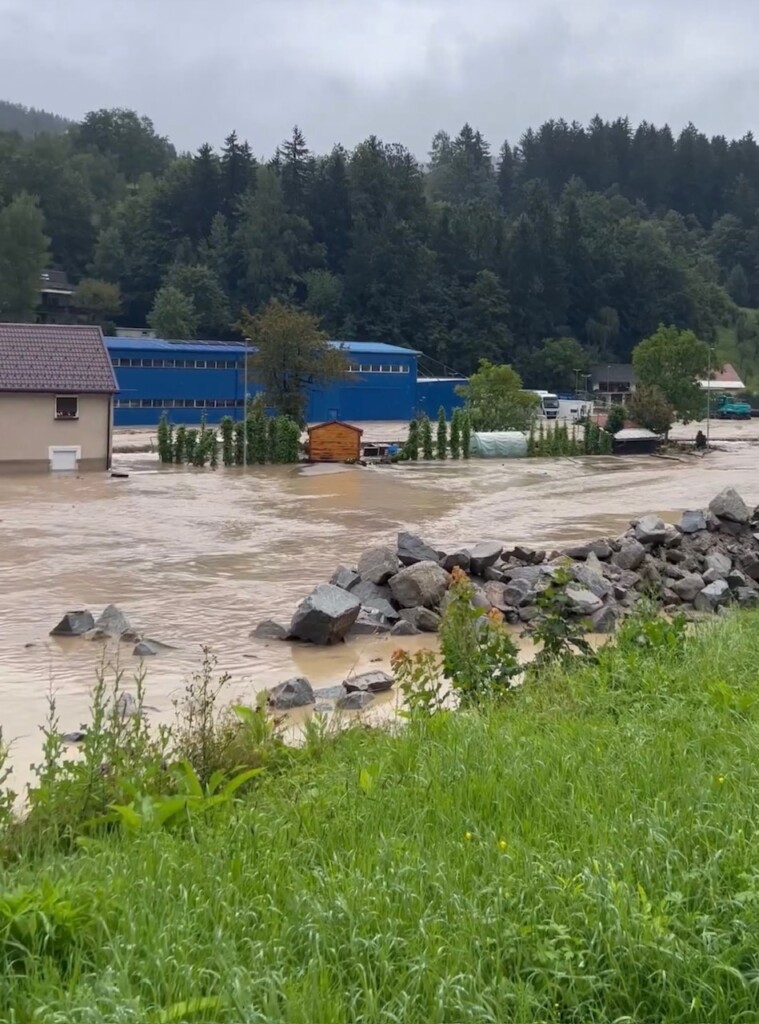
726,378
159,344
54,358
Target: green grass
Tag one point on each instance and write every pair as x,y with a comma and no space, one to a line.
743,356
587,852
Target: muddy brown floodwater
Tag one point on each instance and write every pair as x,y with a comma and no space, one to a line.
197,557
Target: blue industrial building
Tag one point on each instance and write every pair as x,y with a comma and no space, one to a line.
188,380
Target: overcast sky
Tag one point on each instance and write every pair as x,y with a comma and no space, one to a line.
400,69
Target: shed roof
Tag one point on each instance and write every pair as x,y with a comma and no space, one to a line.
335,423
617,373
634,434
156,344
54,358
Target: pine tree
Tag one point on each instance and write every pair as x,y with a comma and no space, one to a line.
426,436
214,451
456,434
466,434
442,434
165,453
180,447
272,438
239,432
412,442
228,441
259,435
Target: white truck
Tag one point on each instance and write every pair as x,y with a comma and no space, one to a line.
549,404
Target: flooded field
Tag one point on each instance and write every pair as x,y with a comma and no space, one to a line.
198,558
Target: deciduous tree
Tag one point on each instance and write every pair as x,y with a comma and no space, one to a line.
23,256
674,361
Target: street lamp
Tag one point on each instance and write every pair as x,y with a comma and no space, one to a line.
577,381
708,395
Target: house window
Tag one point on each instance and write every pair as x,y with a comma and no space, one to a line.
66,407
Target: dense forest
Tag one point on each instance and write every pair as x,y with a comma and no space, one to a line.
28,122
571,245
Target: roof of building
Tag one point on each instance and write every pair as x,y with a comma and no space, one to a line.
54,358
727,377
616,373
634,434
335,423
55,281
159,344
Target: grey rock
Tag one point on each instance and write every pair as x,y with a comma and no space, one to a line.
719,562
423,584
703,543
583,601
746,597
692,521
734,529
711,576
528,556
594,564
344,578
670,598
529,613
403,628
604,620
456,560
74,624
293,693
356,701
375,599
651,530
493,574
531,574
269,630
620,592
675,556
126,706
735,579
483,555
649,571
479,600
674,572
112,622
330,693
494,592
371,623
728,504
600,548
144,649
424,619
674,538
688,588
712,597
73,737
517,592
377,565
630,554
751,568
325,616
369,682
591,580
412,549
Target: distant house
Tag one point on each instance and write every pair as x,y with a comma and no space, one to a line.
334,442
612,382
56,297
56,398
724,380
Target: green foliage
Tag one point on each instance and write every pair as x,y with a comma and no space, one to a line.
191,439
559,364
180,445
428,451
650,409
495,400
272,438
291,356
173,315
227,427
100,300
455,442
411,447
165,440
240,446
559,632
466,434
441,446
259,437
674,361
615,420
23,256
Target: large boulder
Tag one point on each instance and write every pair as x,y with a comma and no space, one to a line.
74,624
293,693
600,548
358,700
369,682
325,616
651,530
423,619
604,620
630,554
692,521
719,562
412,549
689,587
728,504
403,628
531,574
377,565
593,581
494,592
712,597
582,601
746,597
735,579
456,560
371,623
483,555
113,622
144,649
423,584
345,578
375,599
516,593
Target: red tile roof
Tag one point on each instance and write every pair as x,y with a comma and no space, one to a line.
54,358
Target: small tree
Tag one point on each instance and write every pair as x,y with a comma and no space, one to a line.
466,434
674,361
650,409
165,446
442,434
100,301
180,445
456,434
615,421
239,431
411,448
259,438
272,438
228,441
532,444
426,436
495,400
173,315
292,355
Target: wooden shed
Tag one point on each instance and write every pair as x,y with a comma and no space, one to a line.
334,442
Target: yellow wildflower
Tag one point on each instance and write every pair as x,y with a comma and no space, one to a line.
502,844
468,836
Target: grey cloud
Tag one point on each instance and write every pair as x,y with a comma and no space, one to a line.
343,69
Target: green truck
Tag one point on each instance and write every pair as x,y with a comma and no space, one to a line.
729,408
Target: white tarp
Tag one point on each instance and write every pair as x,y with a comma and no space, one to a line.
504,444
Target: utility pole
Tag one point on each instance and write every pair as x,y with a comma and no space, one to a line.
245,407
708,396
577,381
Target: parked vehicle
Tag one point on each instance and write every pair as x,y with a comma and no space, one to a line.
729,408
549,404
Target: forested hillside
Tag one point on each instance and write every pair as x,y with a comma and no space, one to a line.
594,233
28,122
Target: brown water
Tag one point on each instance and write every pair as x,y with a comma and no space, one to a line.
198,558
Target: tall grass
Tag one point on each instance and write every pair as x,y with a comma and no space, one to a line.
584,851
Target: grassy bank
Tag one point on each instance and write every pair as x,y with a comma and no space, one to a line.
585,851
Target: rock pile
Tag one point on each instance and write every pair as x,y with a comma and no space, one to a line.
708,560
354,694
112,624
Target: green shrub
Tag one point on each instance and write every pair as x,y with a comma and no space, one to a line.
441,448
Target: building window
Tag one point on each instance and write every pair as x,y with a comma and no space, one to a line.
66,407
